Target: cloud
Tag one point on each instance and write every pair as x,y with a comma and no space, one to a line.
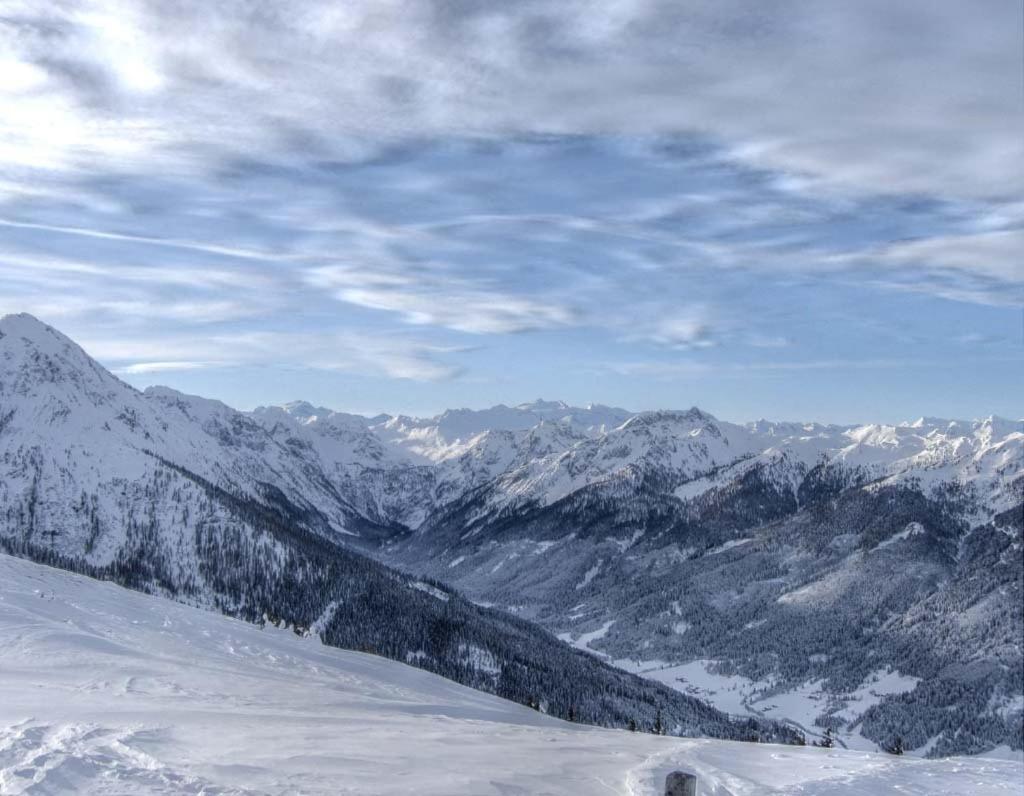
149,309
996,255
190,246
436,298
139,368
630,243
977,267
375,181
740,369
875,95
462,309
400,358
769,341
683,332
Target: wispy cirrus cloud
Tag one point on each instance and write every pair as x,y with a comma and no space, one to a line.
994,255
593,233
399,358
397,189
434,297
671,370
173,366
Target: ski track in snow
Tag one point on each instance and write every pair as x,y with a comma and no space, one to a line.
106,691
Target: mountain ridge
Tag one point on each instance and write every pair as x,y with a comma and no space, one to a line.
782,553
186,498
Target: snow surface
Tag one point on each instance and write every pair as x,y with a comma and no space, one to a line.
912,529
582,642
107,691
589,575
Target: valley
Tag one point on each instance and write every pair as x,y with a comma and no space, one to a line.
865,580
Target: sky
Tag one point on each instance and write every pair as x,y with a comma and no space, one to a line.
794,210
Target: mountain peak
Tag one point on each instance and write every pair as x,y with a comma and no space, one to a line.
304,410
540,405
34,353
20,317
21,324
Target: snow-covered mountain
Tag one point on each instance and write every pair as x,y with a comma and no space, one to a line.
543,451
107,691
188,498
796,565
82,451
805,558
401,469
866,578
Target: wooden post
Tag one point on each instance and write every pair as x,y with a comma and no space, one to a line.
680,783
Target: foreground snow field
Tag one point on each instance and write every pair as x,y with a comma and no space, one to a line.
106,691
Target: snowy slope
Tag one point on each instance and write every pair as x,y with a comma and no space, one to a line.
106,691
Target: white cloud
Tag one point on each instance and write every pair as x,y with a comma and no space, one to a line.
683,332
997,255
191,246
161,367
911,96
175,166
692,368
464,310
976,268
393,357
439,297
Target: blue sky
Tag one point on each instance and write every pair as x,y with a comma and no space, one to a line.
799,212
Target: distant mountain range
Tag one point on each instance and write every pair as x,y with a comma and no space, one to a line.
187,498
873,572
